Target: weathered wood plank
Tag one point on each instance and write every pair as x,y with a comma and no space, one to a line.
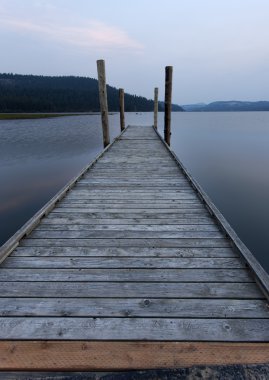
111,196
117,207
142,228
129,194
125,185
146,189
141,307
122,234
131,207
122,252
80,219
126,275
136,191
129,167
123,262
133,181
241,330
153,191
158,174
153,204
130,290
132,202
136,177
143,243
113,213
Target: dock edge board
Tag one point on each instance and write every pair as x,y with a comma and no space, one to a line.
112,356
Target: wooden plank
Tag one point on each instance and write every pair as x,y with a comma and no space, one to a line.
123,184
117,206
170,329
110,195
109,356
122,252
101,172
137,176
134,307
124,234
164,214
130,290
147,190
136,191
143,243
133,181
123,262
119,193
156,166
131,203
142,228
125,207
82,219
125,275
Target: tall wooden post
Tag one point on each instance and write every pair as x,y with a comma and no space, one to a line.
122,118
103,100
156,107
168,104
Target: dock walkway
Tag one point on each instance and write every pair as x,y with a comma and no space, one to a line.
132,253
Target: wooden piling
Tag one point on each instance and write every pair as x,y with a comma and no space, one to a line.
122,118
103,100
168,103
156,90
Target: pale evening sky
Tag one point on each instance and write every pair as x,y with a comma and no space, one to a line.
219,48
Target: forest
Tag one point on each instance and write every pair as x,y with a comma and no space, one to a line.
32,93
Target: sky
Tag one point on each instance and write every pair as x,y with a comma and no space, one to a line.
219,49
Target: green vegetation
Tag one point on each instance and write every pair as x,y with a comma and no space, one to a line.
40,94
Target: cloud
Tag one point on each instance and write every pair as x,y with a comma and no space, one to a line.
94,34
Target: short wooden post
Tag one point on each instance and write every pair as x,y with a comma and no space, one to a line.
103,100
168,104
156,90
122,118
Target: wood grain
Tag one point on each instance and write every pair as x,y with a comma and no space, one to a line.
143,329
109,356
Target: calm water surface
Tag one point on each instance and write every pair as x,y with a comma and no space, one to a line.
227,153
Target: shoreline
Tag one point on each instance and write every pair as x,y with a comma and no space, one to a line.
41,115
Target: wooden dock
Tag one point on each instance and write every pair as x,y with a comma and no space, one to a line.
131,266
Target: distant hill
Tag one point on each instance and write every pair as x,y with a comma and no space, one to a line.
30,93
232,105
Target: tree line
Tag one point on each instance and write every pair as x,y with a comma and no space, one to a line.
32,93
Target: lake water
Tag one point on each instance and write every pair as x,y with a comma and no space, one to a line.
227,153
